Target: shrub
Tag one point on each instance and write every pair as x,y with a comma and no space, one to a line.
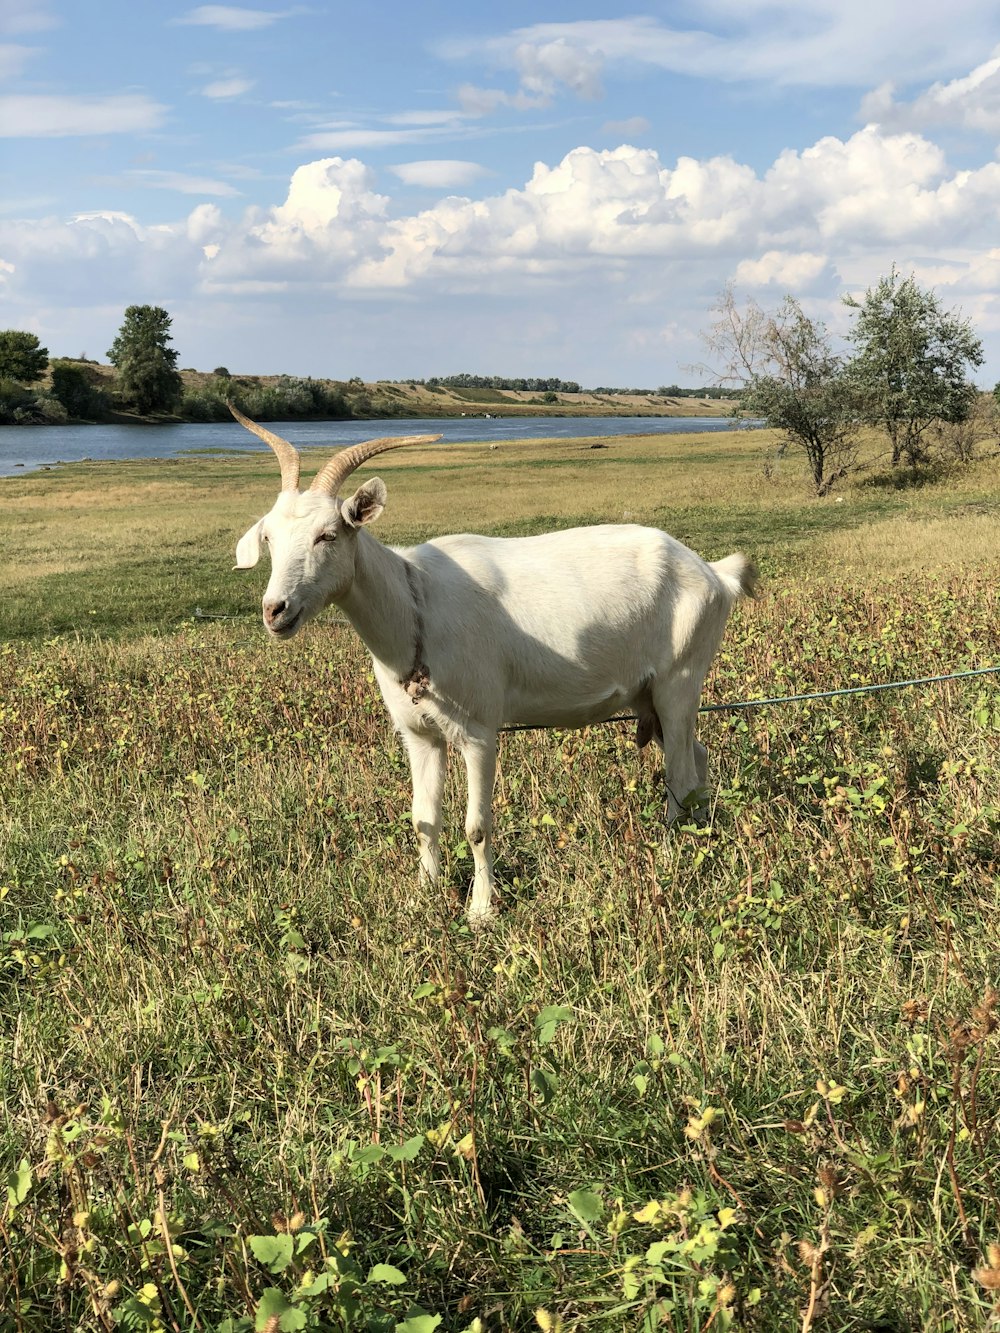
48,410
13,397
75,388
203,406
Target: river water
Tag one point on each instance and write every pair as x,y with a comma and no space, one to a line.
24,448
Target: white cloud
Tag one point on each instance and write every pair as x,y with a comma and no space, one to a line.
794,272
41,116
205,225
113,218
484,101
223,89
331,220
604,211
971,102
447,118
615,248
439,173
330,191
546,65
793,43
233,18
357,137
183,183
13,58
25,16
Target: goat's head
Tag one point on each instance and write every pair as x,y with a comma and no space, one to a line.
312,535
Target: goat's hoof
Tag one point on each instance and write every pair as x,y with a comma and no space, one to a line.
480,918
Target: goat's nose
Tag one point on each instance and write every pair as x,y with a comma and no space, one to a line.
272,610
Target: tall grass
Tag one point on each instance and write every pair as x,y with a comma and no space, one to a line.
254,1077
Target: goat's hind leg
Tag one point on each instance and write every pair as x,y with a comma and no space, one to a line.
685,759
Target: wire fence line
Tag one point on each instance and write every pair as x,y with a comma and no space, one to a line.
730,707
850,689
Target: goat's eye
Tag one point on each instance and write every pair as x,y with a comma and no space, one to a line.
325,537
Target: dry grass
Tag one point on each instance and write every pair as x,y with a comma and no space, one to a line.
744,1077
917,545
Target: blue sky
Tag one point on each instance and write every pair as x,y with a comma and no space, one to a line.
407,190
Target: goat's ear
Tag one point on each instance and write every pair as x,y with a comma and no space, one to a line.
248,547
365,504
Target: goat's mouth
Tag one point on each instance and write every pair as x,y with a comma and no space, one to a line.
287,627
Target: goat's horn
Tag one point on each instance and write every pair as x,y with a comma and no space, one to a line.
333,474
288,455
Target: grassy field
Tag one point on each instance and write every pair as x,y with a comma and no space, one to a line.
253,1077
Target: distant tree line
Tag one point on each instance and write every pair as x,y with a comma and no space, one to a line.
521,383
717,392
528,384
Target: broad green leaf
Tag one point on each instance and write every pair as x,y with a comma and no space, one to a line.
586,1205
365,1156
386,1273
275,1304
406,1152
548,1020
544,1084
19,1183
274,1252
419,1322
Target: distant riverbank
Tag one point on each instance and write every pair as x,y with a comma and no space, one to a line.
29,448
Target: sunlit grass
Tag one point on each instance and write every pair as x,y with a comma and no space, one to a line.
251,1071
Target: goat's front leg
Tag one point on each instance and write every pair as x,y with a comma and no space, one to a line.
480,763
428,758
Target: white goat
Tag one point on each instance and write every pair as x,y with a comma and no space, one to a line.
469,633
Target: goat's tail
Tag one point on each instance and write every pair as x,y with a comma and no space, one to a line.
738,574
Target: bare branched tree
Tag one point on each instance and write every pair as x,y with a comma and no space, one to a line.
791,379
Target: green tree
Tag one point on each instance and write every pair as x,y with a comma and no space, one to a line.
910,364
147,367
790,379
21,356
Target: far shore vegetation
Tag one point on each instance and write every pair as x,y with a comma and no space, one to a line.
142,383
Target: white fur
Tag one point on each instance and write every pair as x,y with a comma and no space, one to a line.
558,630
